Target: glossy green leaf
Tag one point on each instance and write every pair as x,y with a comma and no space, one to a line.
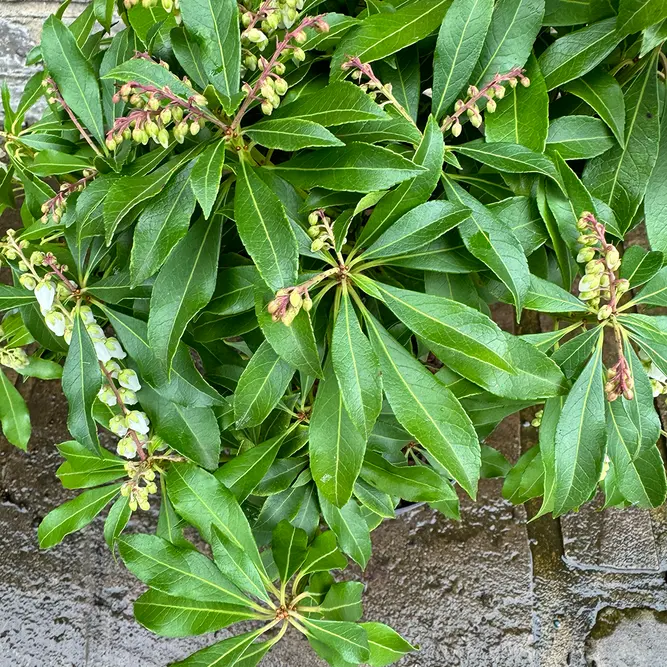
353,168
635,15
161,225
261,386
577,53
14,415
579,137
185,285
205,502
522,116
14,297
289,548
182,617
323,555
228,652
336,445
547,297
620,176
411,193
526,479
349,640
149,73
357,371
639,266
265,230
654,293
82,379
580,438
376,501
53,162
425,407
74,515
509,41
656,196
460,42
380,35
291,134
116,521
343,602
605,96
206,176
385,644
572,355
74,75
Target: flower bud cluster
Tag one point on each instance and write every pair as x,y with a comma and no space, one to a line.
320,231
537,420
287,304
489,92
272,15
602,260
156,111
273,88
53,209
619,382
139,473
14,357
169,6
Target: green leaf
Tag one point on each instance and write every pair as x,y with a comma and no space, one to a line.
411,193
261,386
117,520
291,134
53,162
265,230
15,297
44,369
183,617
216,28
14,415
205,502
577,53
553,408
494,463
323,555
460,42
380,35
491,241
289,548
343,602
350,529
74,515
385,644
74,75
413,483
416,228
296,343
186,386
161,225
185,285
572,355
348,640
620,176
635,15
425,407
579,137
234,291
352,168
656,196
633,430
376,501
640,266
522,116
83,469
336,446
526,479
192,432
82,379
405,79
580,438
654,292
394,128
207,174
103,10
236,566
244,472
509,41
357,371
177,572
188,53
149,73
228,653
605,96
335,104
546,296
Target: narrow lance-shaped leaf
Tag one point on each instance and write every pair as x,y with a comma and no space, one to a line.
349,640
427,409
580,438
14,414
336,446
356,368
82,379
265,230
460,42
385,644
207,174
185,285
289,547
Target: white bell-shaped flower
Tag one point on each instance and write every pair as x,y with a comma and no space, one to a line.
138,421
86,313
118,425
45,292
128,378
102,353
56,322
96,333
128,396
113,368
106,395
115,349
127,447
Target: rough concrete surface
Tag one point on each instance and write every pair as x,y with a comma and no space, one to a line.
491,591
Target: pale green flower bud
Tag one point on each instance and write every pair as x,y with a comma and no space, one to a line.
298,55
622,286
113,368
254,35
491,106
68,334
585,255
604,312
587,296
457,128
195,127
613,259
37,258
317,245
163,138
177,114
246,19
313,218
128,396
28,281
281,86
300,37
295,299
267,108
118,425
307,303
314,232
589,282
